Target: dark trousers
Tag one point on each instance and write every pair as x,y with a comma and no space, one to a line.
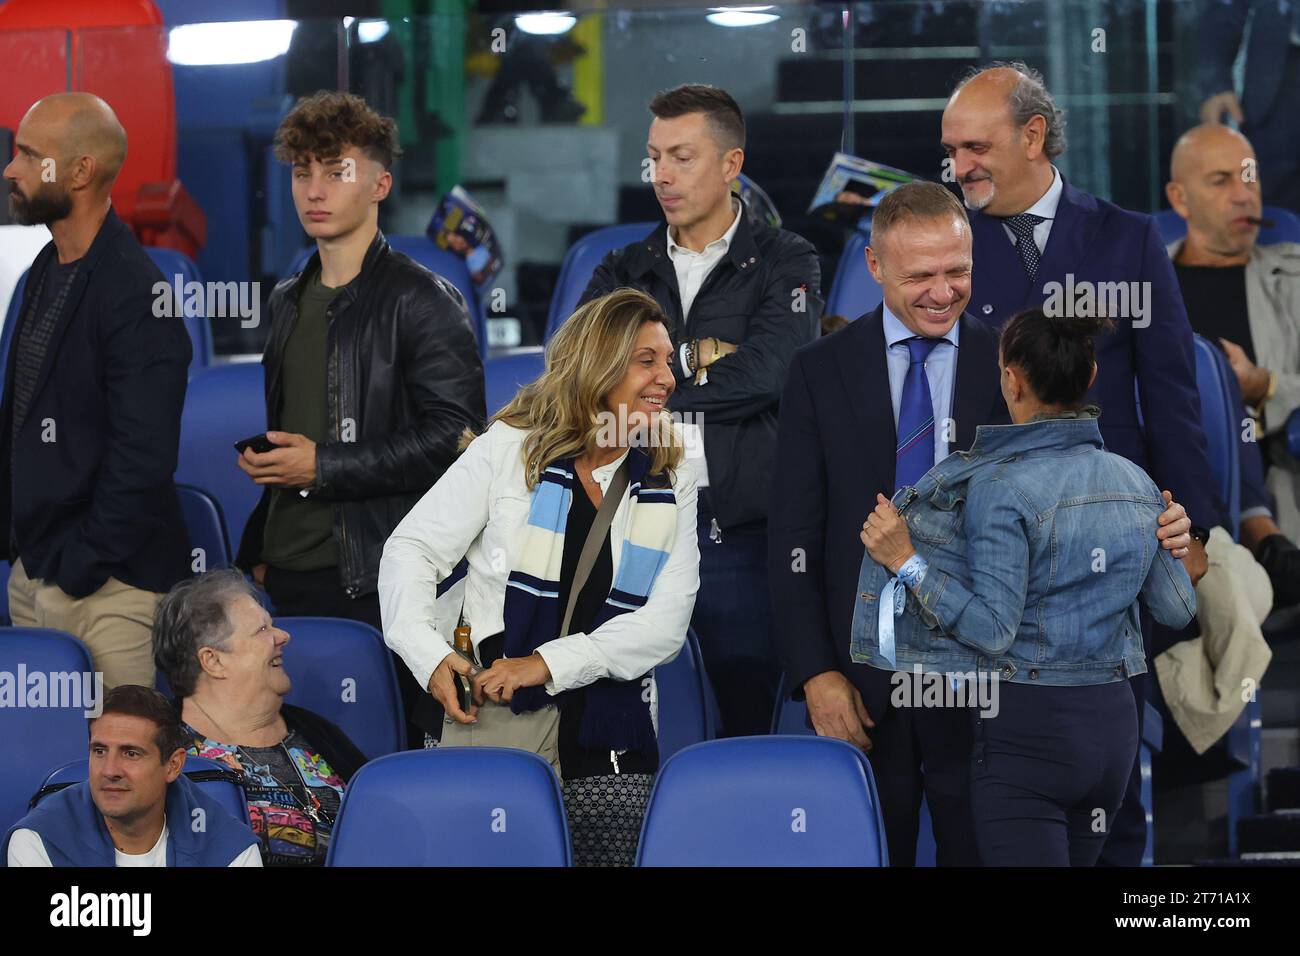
319,594
733,623
920,751
1049,771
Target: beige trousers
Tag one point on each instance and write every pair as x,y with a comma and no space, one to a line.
537,731
116,623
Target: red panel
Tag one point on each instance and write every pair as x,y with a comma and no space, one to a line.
73,14
119,53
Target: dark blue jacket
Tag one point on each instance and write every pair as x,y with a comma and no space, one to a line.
98,501
1096,241
74,834
835,451
1221,27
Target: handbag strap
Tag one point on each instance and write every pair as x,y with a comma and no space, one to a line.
595,538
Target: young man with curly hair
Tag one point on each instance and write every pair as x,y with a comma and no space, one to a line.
372,373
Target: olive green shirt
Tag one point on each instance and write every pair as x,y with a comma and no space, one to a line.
299,534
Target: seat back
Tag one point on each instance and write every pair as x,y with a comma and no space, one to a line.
1285,226
223,404
177,267
34,735
683,715
854,291
11,323
580,264
454,806
1222,429
343,671
764,801
214,780
438,261
505,372
206,526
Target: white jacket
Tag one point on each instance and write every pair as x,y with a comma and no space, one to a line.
476,510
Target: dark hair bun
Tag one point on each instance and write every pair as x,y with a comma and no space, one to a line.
1055,352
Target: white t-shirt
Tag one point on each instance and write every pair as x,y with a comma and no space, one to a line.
27,849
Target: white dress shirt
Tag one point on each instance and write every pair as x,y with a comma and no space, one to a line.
1045,207
692,269
27,849
477,510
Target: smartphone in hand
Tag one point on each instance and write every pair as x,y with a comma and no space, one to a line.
259,443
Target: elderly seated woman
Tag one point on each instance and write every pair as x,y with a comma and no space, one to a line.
223,657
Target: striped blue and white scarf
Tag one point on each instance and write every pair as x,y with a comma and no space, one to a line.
616,715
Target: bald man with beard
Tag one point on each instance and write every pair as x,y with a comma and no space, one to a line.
90,416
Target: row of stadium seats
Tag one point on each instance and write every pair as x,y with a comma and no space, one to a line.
340,669
756,801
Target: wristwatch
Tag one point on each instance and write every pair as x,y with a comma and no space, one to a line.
1200,534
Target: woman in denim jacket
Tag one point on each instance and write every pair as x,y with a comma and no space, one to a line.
1014,570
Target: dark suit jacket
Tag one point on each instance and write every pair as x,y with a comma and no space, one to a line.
98,500
1097,241
835,451
1221,27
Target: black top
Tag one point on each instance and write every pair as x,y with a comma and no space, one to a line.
1216,303
575,760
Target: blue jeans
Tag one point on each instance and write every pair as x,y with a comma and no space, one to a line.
733,622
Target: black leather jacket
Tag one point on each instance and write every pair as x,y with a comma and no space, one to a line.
404,380
764,296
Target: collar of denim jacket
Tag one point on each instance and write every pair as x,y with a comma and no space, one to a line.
1053,434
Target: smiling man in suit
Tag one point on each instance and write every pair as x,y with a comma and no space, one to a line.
870,409
1040,242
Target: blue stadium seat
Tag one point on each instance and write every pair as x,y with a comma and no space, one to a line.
1222,430
764,801
217,782
343,671
580,264
438,261
35,738
791,718
1285,228
683,714
1244,742
224,403
1222,434
504,372
1153,738
173,263
454,807
1293,433
854,292
11,323
206,526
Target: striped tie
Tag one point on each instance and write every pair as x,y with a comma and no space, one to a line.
915,417
1022,227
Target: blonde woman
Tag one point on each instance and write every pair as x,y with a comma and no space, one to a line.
518,507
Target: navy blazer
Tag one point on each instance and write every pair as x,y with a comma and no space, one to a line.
1097,241
835,450
1221,29
97,501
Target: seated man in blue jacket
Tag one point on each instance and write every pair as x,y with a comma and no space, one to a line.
136,808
